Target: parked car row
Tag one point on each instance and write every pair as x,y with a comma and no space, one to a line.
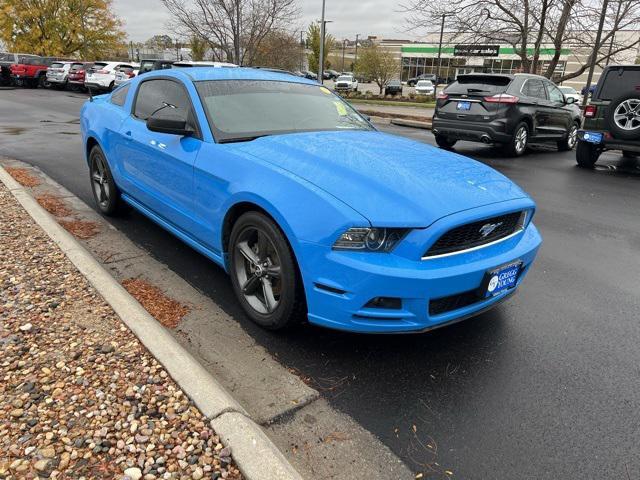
25,70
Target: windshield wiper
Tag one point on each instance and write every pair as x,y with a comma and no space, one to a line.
241,139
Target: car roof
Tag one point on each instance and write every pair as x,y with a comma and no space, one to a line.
218,73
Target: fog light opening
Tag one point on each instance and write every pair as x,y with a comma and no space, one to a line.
389,303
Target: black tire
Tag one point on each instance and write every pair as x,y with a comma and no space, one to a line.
445,142
518,144
105,192
623,116
410,84
254,270
111,86
587,154
572,138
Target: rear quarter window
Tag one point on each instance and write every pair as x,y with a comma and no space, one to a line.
119,97
481,84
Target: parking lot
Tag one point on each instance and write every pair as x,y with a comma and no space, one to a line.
545,386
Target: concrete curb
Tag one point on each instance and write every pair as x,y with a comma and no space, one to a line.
256,456
403,122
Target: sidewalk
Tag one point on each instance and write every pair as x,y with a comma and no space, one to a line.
396,110
80,396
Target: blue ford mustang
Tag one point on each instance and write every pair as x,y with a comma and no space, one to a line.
312,212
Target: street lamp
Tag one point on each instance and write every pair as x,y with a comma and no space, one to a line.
344,42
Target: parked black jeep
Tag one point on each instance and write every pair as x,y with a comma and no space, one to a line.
612,118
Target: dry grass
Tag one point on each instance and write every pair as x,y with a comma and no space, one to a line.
54,205
80,229
23,177
166,310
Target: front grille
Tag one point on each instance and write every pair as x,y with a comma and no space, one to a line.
475,234
453,302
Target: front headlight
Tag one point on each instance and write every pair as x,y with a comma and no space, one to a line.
370,239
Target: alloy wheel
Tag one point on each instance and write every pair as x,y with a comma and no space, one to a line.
257,270
521,139
627,114
573,137
100,182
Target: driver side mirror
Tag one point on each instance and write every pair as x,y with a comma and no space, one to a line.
569,100
171,123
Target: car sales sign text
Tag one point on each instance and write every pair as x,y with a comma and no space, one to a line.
476,50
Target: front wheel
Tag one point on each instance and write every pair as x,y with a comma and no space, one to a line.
445,142
587,154
571,140
263,272
519,142
105,192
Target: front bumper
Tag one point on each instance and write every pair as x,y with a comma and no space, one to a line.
339,284
471,131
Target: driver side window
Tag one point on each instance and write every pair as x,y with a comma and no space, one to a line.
156,94
555,95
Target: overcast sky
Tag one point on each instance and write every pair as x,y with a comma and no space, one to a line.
145,18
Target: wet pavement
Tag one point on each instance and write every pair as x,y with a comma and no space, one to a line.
545,386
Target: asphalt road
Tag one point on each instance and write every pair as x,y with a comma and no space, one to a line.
547,386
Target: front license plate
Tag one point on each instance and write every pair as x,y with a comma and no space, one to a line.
463,106
502,278
592,137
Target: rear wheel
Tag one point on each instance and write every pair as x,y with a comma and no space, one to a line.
105,192
263,272
571,140
445,142
519,142
587,154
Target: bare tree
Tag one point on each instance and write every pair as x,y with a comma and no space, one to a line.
233,29
529,26
279,49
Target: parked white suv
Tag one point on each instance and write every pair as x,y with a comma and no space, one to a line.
425,87
346,83
58,74
102,76
124,74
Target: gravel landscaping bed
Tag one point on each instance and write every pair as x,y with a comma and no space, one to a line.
80,397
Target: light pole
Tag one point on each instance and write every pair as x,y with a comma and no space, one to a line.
344,42
444,15
301,51
323,31
594,54
356,59
321,58
613,34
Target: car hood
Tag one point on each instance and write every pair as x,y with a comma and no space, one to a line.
390,180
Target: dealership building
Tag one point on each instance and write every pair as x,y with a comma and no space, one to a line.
460,58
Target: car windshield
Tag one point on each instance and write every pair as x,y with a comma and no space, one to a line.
57,65
345,78
241,110
425,83
395,83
